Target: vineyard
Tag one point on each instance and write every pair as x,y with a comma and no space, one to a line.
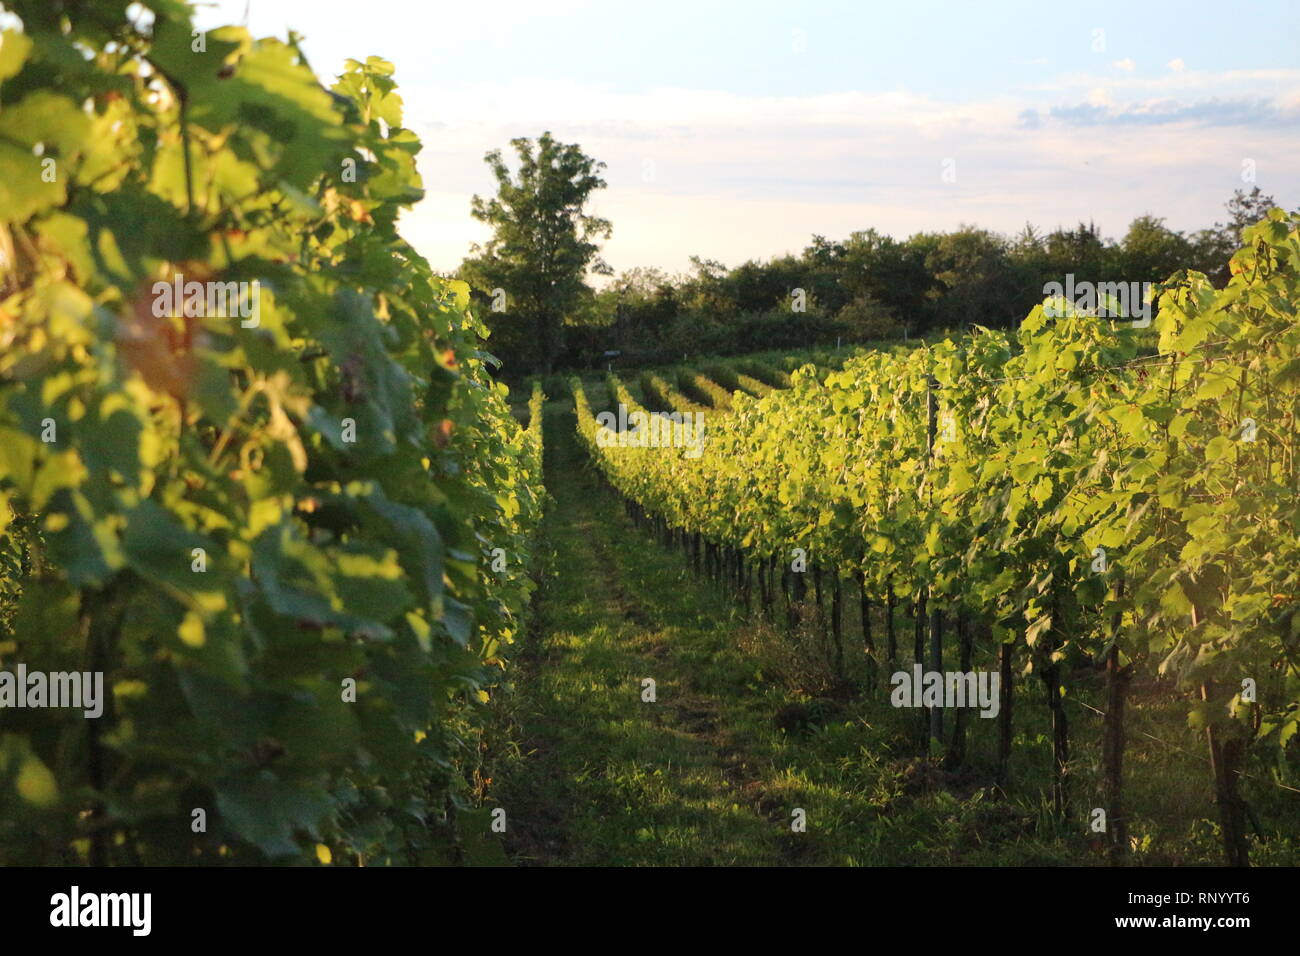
289,577
1083,495
294,541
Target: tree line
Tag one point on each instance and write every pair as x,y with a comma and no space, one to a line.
532,278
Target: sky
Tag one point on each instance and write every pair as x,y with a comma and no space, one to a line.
734,131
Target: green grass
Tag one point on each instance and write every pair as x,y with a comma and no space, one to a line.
605,777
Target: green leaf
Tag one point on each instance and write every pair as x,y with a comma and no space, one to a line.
14,47
30,183
1218,448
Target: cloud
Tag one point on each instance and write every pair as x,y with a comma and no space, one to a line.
1179,80
1211,112
739,176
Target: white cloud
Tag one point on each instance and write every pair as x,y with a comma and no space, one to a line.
1224,83
753,176
1127,65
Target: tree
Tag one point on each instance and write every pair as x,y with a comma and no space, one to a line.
823,267
705,294
763,286
641,302
1152,252
866,319
1244,209
976,283
543,241
1080,251
873,271
1216,246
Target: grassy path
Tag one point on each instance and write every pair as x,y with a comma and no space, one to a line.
606,777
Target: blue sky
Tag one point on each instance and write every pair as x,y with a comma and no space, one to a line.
737,130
